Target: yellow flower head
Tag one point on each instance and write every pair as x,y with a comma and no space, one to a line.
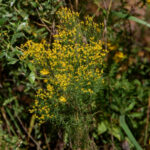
119,56
44,72
62,99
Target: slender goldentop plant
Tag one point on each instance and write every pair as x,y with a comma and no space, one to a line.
69,69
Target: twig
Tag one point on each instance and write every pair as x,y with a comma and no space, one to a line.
70,5
109,7
31,125
42,21
5,118
112,137
30,136
105,20
39,24
52,32
76,4
48,146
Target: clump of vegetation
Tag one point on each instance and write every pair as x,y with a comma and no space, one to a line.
74,74
70,69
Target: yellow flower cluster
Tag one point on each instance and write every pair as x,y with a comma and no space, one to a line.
62,99
44,72
111,47
74,58
119,56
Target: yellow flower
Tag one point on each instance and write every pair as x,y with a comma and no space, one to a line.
44,72
62,99
119,56
72,58
49,87
45,80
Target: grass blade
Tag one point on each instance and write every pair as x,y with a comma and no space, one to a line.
126,129
124,15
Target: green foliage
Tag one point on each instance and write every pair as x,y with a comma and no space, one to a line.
19,21
71,68
122,91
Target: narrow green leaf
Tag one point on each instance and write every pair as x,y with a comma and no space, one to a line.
126,129
124,15
8,101
32,121
139,21
12,62
115,108
136,115
120,14
130,107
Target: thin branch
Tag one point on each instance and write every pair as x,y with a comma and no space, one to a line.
76,4
43,21
6,120
47,144
39,24
30,136
109,8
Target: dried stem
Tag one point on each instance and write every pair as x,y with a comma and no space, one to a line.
30,136
43,21
47,144
6,120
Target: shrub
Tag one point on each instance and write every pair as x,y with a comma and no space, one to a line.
69,69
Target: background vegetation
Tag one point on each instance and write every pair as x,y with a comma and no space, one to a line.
120,114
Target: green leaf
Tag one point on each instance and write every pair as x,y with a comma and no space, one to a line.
22,26
32,77
102,127
136,115
124,15
2,54
16,51
120,14
31,67
12,61
116,132
16,36
115,108
95,136
130,107
139,21
8,101
32,122
126,129
137,82
34,4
